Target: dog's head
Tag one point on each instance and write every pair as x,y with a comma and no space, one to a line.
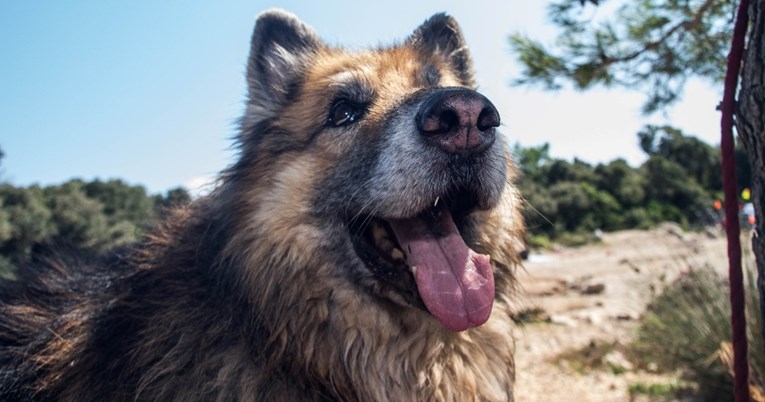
385,163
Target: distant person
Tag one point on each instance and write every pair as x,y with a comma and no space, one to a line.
747,215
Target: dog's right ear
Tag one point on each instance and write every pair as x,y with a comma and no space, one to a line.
441,35
281,45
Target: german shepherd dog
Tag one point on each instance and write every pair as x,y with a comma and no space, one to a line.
360,248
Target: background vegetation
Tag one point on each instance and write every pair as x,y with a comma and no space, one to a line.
678,182
80,216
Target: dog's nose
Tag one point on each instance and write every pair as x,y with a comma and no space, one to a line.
458,121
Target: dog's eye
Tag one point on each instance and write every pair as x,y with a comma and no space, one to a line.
344,112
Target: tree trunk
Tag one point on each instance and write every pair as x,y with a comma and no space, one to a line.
750,125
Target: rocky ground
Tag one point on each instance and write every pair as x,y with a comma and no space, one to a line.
595,295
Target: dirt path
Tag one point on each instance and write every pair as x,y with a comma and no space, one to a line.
595,295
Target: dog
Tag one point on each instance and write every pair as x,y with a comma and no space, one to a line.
360,248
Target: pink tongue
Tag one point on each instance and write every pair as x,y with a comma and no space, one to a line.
455,282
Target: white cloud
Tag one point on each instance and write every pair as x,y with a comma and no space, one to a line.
200,185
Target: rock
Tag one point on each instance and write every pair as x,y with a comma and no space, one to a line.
625,317
627,262
712,233
531,315
616,359
563,320
672,229
593,318
594,289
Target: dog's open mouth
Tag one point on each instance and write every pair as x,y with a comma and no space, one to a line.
426,256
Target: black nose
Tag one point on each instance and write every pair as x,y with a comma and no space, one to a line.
458,121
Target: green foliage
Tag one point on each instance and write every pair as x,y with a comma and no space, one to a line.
702,162
592,357
531,159
79,220
121,201
625,184
647,45
575,239
684,327
665,391
567,201
174,197
673,189
538,241
541,67
76,215
25,220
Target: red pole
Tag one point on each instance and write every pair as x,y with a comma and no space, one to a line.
735,274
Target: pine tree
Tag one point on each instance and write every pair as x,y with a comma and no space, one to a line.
655,46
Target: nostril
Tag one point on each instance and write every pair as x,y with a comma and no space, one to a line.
488,119
438,122
449,120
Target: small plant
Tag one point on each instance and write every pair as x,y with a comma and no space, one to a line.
593,356
576,239
531,315
658,391
684,327
539,241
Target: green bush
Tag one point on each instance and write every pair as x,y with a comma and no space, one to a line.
684,327
539,241
578,239
76,215
662,391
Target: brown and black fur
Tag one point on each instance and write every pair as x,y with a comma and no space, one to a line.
257,292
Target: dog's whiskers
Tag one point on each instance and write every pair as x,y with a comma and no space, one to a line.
366,203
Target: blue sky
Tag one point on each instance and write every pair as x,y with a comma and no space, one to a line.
149,91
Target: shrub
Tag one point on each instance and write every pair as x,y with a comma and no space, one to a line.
684,327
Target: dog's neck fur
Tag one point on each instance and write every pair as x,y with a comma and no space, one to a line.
340,336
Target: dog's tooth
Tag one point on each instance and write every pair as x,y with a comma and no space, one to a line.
386,245
397,255
435,204
413,268
378,233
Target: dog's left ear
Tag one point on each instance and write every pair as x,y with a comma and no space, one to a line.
281,48
441,35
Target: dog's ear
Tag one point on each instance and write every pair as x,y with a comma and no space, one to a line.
280,48
441,35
